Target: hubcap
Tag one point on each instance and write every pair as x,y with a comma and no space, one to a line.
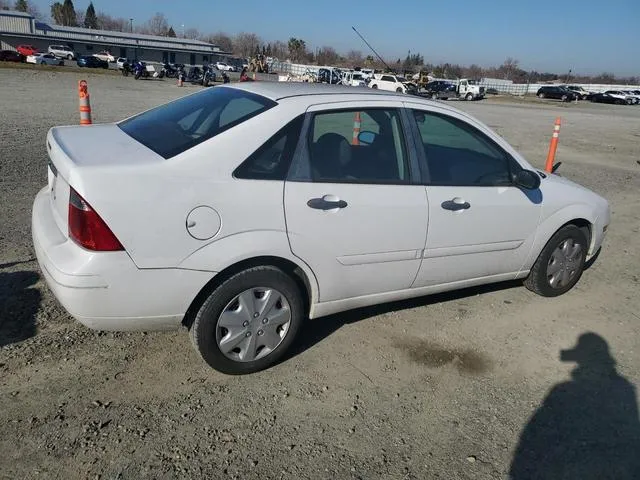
253,324
564,263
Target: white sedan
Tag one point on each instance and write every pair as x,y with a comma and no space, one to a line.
106,56
44,59
225,67
326,198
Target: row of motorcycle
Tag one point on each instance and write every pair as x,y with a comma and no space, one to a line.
202,76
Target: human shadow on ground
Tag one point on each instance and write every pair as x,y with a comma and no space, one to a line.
19,303
316,330
586,428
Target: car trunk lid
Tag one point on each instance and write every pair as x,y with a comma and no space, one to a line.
75,149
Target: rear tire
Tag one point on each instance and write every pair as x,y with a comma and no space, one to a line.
398,90
541,95
69,57
554,273
564,98
375,87
207,334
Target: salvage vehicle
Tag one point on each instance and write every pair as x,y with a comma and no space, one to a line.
44,59
558,93
392,83
225,67
62,51
27,50
635,96
440,89
579,91
244,210
612,96
354,79
11,56
90,61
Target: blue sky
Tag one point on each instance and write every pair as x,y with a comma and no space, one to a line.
583,35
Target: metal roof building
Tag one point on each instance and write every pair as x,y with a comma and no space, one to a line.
18,28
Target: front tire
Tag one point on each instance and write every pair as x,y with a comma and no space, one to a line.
375,87
560,264
541,95
248,322
468,97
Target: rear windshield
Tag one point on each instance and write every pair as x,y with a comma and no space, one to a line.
180,125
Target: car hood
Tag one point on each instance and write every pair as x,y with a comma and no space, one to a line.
582,194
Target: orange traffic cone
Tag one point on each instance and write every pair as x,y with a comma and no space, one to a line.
85,104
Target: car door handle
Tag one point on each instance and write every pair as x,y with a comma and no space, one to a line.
326,203
455,204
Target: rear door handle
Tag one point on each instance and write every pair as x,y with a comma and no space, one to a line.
456,204
328,202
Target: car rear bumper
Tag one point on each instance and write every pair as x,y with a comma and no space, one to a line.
106,290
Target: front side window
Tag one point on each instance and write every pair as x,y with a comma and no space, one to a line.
337,153
184,123
458,154
387,78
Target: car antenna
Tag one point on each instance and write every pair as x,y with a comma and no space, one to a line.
368,45
556,167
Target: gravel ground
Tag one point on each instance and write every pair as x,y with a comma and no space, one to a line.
462,385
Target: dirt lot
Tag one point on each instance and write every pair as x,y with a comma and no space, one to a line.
440,387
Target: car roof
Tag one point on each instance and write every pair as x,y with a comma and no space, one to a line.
313,93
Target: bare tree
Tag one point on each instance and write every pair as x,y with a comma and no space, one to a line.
473,71
222,40
192,34
107,22
246,44
157,25
279,50
327,56
355,57
509,68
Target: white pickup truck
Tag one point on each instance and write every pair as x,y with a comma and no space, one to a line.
470,90
392,83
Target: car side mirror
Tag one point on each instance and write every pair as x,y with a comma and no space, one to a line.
527,179
366,138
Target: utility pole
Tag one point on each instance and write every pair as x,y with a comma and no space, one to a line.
131,22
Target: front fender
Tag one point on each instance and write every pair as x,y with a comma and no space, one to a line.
228,251
551,224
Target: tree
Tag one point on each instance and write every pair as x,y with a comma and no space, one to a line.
354,57
171,33
156,25
327,56
192,33
221,40
473,72
90,18
245,44
4,5
21,6
509,67
64,13
268,52
297,49
107,22
279,50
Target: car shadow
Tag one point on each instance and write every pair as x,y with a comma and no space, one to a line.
19,303
316,330
586,428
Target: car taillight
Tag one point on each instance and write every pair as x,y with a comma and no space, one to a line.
86,227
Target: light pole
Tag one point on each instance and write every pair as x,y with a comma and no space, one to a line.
183,31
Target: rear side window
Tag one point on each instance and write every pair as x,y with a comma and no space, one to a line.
271,161
180,125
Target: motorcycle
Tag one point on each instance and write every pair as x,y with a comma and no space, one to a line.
208,76
168,71
126,69
140,70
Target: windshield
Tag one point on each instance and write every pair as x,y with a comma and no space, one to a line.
473,82
184,123
401,79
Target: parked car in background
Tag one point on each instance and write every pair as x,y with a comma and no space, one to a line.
354,79
392,83
27,50
225,67
105,55
557,92
334,231
11,56
44,59
634,95
612,97
440,89
120,61
91,61
62,51
579,91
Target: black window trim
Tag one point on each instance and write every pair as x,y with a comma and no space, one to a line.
288,153
512,164
302,150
